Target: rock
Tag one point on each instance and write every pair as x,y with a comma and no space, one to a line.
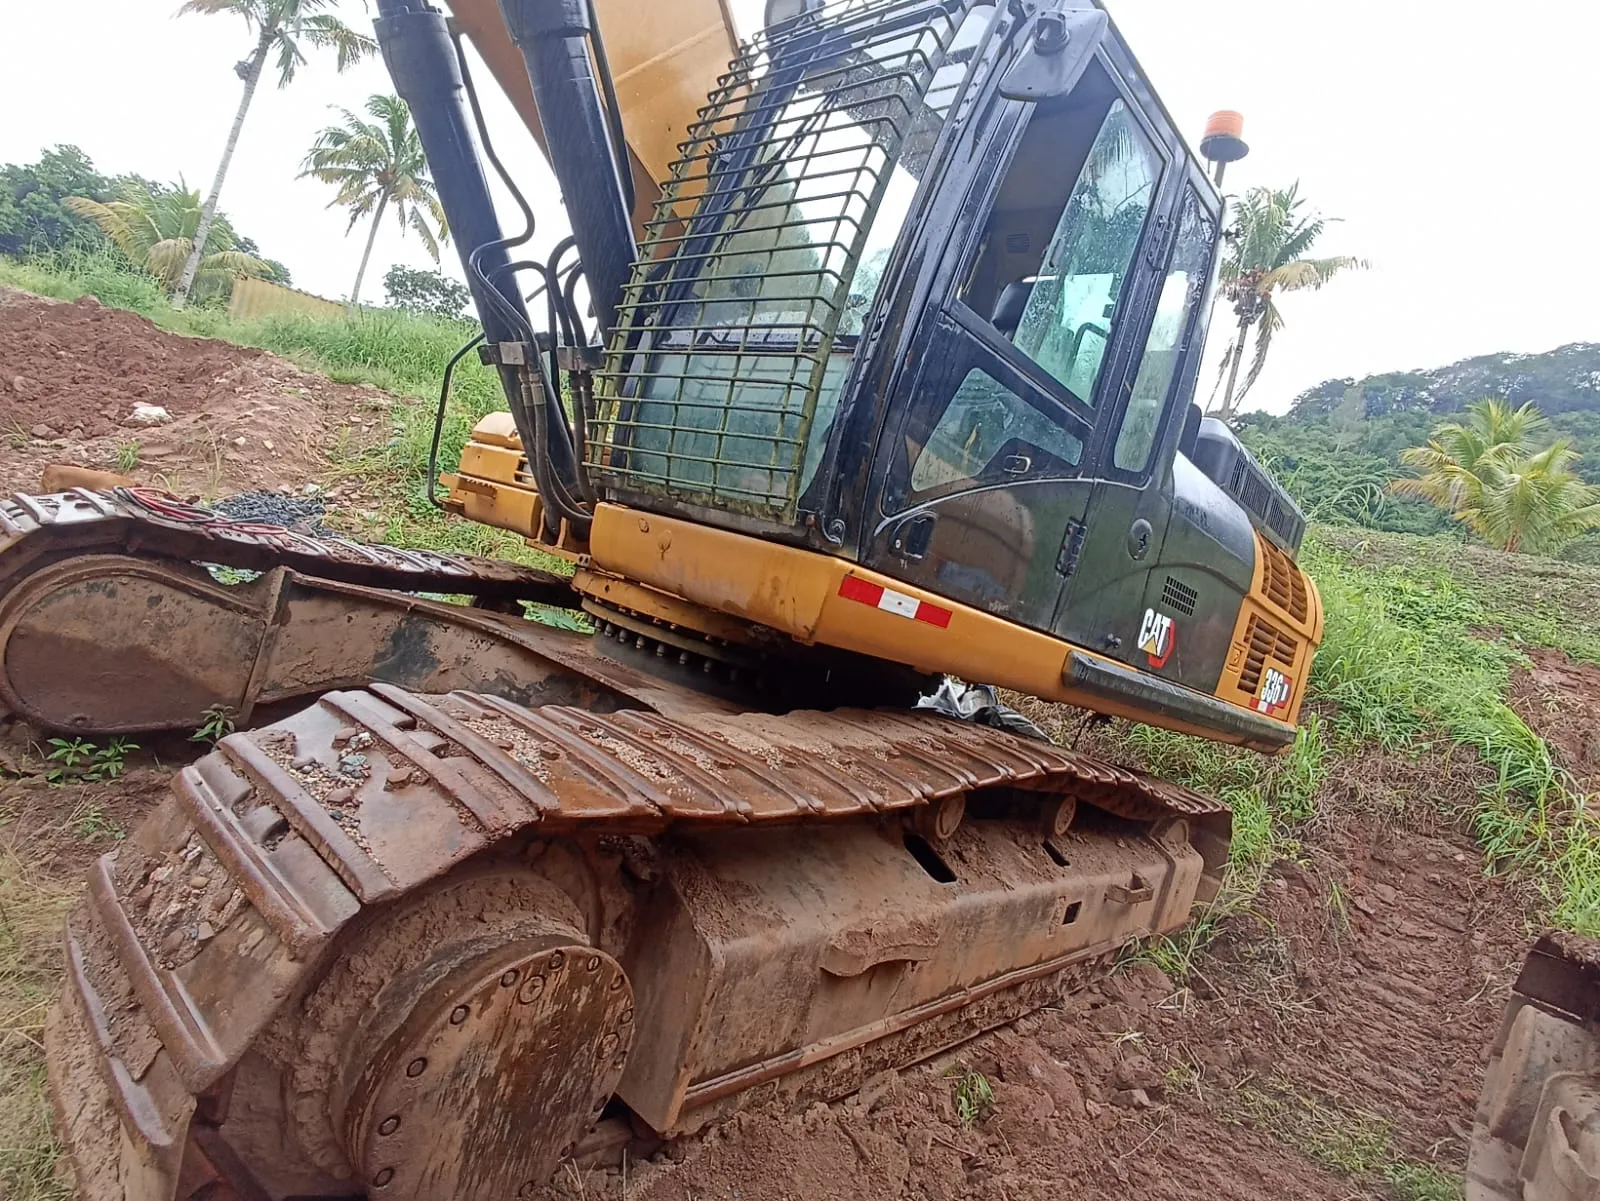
878,1091
89,301
1385,893
198,883
919,1143
1093,1109
147,414
41,430
205,932
1131,1098
267,442
1137,1072
311,489
24,387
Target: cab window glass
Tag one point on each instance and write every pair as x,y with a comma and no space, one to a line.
1061,240
988,433
1181,294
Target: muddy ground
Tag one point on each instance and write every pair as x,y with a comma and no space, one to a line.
71,375
1328,1044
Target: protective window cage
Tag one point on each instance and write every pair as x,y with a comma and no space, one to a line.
736,331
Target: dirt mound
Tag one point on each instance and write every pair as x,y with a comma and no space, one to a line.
70,375
1559,699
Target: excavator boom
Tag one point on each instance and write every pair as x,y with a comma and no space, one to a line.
665,59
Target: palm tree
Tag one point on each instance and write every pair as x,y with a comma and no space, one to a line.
375,164
1269,241
156,229
284,26
1491,474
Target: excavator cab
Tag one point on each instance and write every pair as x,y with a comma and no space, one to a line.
926,293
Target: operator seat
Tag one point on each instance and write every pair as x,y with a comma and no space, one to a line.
1010,305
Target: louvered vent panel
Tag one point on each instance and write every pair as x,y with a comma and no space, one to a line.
1263,642
1175,594
1284,583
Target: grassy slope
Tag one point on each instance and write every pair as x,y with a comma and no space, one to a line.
1421,634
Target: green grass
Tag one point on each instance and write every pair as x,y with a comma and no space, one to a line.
1360,1145
1407,657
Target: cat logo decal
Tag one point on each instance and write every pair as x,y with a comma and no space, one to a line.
1157,636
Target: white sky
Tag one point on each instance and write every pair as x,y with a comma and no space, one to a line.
1454,139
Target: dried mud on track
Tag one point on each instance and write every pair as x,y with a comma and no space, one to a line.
1343,1022
70,375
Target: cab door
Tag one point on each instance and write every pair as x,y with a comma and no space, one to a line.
1130,606
989,455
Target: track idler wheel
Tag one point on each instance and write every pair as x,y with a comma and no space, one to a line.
475,1067
939,820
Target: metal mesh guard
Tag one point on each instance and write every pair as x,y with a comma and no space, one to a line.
709,391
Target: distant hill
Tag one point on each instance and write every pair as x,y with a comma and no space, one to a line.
1340,442
1563,380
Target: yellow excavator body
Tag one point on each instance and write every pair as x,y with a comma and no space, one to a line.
464,896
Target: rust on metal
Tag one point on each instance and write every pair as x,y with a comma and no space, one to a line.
302,830
85,578
163,526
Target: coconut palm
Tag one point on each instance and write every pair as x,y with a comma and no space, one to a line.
376,164
285,28
155,228
1269,243
1492,474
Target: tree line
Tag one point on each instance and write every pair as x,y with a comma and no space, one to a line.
61,204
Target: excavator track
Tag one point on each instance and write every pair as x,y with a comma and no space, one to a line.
84,571
402,945
414,940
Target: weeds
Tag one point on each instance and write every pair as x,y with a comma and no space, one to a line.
76,759
127,455
1402,657
974,1097
31,911
1360,1145
218,724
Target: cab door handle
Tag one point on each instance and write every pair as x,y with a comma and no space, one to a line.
912,537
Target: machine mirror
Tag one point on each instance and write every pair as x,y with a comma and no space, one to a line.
1061,44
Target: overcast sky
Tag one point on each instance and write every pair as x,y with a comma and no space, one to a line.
1455,141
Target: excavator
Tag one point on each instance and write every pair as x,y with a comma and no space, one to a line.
865,378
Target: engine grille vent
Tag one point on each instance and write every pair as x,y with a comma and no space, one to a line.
1284,584
1175,594
1018,243
1252,489
1264,641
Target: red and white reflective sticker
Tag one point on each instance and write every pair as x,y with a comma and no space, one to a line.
867,593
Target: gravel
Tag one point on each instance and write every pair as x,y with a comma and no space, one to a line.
274,508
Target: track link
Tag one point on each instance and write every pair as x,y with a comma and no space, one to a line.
157,525
231,901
